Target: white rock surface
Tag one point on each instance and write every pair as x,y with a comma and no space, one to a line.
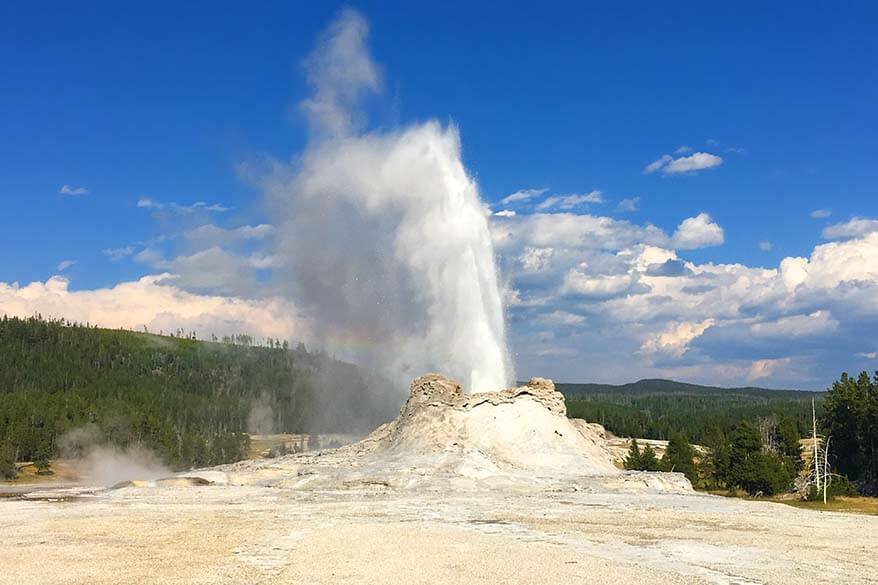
472,489
445,438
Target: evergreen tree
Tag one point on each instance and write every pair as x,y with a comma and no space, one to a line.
851,420
754,469
717,463
648,460
186,400
633,460
789,442
680,457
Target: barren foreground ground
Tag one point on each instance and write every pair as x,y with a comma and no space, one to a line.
481,488
249,534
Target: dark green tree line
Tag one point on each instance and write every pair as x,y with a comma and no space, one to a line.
187,400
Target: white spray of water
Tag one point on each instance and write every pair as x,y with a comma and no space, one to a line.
384,236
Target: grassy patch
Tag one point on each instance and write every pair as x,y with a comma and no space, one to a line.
850,504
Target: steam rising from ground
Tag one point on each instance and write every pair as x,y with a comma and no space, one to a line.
383,235
99,463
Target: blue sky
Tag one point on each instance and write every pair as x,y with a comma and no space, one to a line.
161,104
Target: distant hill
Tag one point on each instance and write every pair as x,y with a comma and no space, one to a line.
189,401
651,386
652,408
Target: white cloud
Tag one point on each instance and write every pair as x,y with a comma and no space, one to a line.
869,355
535,259
600,286
213,270
147,302
118,253
698,232
505,213
711,142
65,264
522,195
818,322
761,369
683,150
627,205
765,246
148,203
669,165
694,162
856,227
658,164
792,325
674,339
566,202
74,191
569,230
561,318
821,213
212,235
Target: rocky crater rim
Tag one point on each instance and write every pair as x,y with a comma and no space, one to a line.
437,389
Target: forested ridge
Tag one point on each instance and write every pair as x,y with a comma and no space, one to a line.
655,408
751,435
191,403
187,400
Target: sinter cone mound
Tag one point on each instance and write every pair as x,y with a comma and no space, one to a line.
446,438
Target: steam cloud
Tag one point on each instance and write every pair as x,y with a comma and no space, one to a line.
383,236
99,463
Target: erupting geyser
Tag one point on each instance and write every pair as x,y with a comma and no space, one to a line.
384,236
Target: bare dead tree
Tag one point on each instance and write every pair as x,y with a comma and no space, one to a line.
818,475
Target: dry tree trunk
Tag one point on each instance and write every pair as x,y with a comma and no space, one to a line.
816,444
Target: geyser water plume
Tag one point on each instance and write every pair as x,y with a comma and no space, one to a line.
383,234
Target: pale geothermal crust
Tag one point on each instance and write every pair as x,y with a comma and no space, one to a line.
482,488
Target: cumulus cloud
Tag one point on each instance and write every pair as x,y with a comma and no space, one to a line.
697,161
505,213
761,369
602,286
649,312
854,228
569,230
561,318
675,338
698,232
816,323
73,191
213,270
148,303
